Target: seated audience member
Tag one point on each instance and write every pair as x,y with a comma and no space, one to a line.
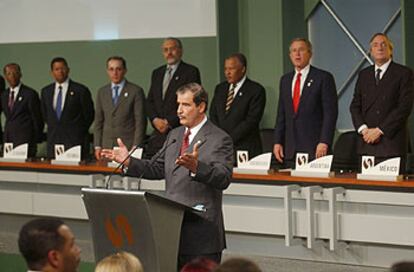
199,265
403,267
238,265
47,244
120,262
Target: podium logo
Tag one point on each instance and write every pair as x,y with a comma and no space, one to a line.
121,229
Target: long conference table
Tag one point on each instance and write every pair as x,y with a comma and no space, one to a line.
339,219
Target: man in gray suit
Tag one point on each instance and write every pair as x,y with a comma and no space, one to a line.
120,110
196,162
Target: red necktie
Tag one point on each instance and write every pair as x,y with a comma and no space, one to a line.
186,141
296,93
11,100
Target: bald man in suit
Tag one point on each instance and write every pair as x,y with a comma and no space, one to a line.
197,166
162,99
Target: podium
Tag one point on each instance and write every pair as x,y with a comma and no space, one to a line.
145,224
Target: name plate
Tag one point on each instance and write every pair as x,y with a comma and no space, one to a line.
72,156
17,154
320,167
259,165
386,171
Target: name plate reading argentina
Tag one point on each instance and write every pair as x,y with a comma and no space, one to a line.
259,165
17,154
72,156
386,171
320,167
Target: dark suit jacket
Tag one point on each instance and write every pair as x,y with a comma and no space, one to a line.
167,107
243,119
315,120
199,234
77,116
24,123
386,106
2,88
125,120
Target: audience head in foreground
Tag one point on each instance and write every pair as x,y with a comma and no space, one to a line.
402,267
199,265
47,244
238,265
120,262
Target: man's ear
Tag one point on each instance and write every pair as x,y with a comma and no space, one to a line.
202,107
53,258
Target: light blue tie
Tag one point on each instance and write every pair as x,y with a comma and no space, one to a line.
116,95
59,103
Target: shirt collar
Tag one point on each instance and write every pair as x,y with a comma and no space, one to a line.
197,128
64,84
304,71
16,89
383,67
120,84
240,82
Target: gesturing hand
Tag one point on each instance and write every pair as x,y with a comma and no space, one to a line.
189,160
118,155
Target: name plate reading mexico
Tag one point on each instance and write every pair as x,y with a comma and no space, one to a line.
320,167
386,171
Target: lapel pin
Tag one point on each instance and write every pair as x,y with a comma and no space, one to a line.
310,82
20,98
126,94
72,93
240,93
177,78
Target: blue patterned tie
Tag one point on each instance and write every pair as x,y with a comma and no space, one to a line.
59,103
116,95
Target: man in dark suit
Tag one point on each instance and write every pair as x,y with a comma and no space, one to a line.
238,105
67,109
2,88
382,103
48,245
120,110
196,162
162,99
307,110
21,106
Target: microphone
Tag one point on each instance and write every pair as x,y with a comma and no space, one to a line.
153,159
126,158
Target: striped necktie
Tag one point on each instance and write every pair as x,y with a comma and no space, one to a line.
230,97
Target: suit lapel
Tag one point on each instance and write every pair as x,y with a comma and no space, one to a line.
123,96
172,86
306,89
237,98
201,136
288,93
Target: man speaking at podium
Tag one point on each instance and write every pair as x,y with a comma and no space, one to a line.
196,162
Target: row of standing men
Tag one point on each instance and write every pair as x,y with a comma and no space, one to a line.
306,115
